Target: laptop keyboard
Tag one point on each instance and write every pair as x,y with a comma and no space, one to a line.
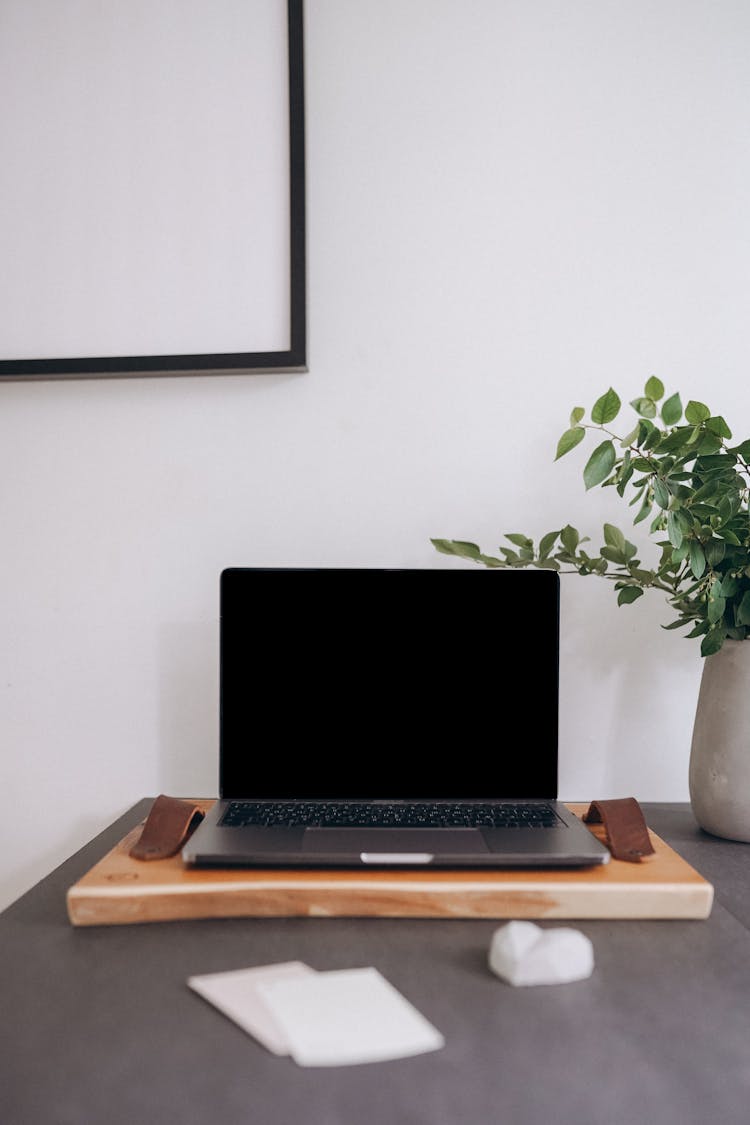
316,814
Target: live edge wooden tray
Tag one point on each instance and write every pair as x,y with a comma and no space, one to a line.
120,890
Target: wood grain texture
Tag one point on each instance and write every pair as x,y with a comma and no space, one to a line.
120,890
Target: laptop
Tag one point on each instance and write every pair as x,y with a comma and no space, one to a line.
385,717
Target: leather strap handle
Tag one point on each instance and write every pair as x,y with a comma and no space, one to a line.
624,825
168,825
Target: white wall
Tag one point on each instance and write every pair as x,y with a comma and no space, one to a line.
511,205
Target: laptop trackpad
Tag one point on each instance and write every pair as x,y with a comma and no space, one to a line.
394,841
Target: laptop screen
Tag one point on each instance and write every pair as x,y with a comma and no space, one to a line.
376,683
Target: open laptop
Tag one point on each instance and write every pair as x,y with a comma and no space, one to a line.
381,717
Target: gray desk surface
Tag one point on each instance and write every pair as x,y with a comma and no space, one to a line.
99,1026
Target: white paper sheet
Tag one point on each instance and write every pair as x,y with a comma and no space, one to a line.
236,994
337,1018
345,1017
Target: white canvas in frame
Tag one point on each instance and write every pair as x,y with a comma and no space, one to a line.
146,221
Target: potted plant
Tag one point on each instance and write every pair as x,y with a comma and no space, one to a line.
682,471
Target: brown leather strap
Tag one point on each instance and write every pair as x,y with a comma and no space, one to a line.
167,827
627,834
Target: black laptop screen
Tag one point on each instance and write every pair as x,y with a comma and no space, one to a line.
389,684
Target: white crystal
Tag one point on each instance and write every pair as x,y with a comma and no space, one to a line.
522,953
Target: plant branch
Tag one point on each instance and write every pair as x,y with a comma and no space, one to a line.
705,563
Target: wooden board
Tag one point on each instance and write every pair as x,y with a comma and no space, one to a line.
119,890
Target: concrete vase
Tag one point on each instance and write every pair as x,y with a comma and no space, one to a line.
719,773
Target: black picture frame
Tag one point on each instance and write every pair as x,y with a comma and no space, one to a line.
292,358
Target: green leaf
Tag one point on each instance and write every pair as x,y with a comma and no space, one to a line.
639,487
652,438
626,472
569,440
629,594
709,443
646,407
661,493
715,550
546,543
717,425
743,609
711,488
673,529
714,461
713,641
630,439
569,538
606,408
674,442
671,410
599,465
684,520
576,414
724,509
654,388
644,510
613,537
696,412
520,540
716,608
465,550
742,450
697,559
680,492
491,562
444,546
729,585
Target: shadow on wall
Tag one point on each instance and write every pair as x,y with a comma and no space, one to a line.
189,709
22,878
628,691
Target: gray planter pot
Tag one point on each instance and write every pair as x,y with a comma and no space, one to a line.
719,775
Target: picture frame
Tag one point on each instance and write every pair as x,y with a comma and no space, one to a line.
154,189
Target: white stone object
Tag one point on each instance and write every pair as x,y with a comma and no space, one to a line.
522,953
